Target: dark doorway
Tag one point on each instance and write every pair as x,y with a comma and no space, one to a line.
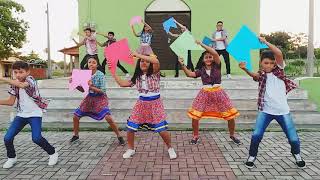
161,40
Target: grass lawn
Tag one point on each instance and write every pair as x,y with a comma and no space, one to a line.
313,88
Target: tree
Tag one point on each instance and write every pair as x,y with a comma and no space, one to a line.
317,53
12,29
280,39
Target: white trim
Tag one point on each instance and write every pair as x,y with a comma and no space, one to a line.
167,5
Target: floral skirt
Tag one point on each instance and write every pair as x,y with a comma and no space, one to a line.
94,105
212,103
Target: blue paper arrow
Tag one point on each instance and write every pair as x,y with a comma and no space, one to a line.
168,24
207,41
241,45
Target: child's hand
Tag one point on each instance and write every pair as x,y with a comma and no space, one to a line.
242,65
90,83
198,42
181,61
174,20
133,54
262,39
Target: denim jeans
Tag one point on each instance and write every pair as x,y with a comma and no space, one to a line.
287,125
17,125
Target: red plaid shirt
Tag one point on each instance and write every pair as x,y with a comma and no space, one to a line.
153,83
33,91
290,85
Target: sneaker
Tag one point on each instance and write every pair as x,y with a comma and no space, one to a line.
172,153
53,159
121,141
299,161
10,162
194,141
127,75
177,75
235,140
229,76
74,139
250,162
128,154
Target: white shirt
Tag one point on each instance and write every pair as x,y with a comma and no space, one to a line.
208,72
275,97
219,44
144,86
28,108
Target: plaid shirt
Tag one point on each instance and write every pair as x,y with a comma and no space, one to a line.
153,83
99,80
91,45
279,73
33,91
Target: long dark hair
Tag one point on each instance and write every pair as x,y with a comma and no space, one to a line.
99,67
138,72
200,62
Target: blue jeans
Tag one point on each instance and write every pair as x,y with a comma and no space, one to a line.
17,125
286,123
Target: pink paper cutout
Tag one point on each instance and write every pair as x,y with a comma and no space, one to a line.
80,78
118,51
135,20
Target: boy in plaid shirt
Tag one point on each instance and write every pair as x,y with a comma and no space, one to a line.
272,102
29,111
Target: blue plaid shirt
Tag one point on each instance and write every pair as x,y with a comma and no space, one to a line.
99,81
145,37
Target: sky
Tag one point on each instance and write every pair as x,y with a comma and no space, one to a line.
275,15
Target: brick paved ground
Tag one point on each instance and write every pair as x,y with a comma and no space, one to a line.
151,161
274,159
76,161
98,156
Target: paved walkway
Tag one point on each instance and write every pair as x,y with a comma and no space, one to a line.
98,156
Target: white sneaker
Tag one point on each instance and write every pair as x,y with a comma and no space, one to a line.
128,154
53,159
172,153
127,75
229,76
10,162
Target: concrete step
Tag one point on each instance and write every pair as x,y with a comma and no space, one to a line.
118,103
176,83
179,116
167,93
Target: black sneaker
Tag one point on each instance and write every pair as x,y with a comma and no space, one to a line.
177,75
194,141
235,140
299,161
121,141
74,139
250,162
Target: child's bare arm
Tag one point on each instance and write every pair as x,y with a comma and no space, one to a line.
102,34
173,35
78,43
255,76
121,82
16,83
100,44
146,24
277,52
212,51
134,31
8,102
186,70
